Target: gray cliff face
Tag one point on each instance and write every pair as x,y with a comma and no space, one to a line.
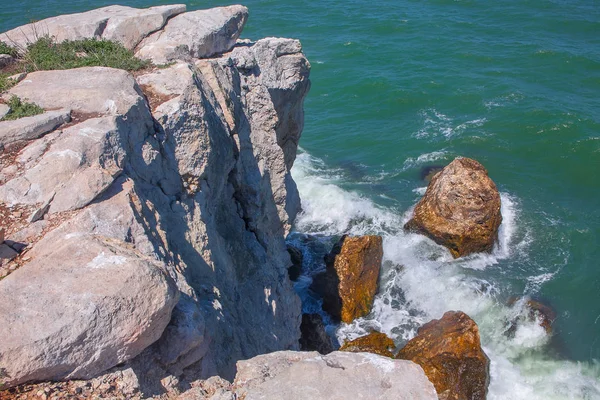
178,207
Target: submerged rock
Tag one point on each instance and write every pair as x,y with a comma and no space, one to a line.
428,172
449,350
374,342
313,336
460,209
296,257
336,376
534,310
349,284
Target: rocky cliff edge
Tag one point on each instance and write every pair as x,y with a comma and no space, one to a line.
150,229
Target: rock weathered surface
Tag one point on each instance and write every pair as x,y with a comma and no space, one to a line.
339,375
449,350
82,306
195,34
89,90
349,284
374,342
33,127
4,109
126,25
313,336
460,209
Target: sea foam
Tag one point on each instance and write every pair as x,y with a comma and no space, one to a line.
421,281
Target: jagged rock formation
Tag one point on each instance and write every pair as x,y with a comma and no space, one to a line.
179,178
375,342
336,376
449,350
460,209
349,283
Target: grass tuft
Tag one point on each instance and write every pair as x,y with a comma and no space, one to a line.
6,49
20,109
45,54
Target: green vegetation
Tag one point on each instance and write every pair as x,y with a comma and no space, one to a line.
45,54
5,83
20,109
6,49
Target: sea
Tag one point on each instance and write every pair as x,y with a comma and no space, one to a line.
399,86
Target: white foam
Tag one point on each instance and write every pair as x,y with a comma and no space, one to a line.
437,124
421,281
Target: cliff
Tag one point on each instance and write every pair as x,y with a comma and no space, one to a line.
164,206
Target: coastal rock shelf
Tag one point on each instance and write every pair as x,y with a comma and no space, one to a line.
151,227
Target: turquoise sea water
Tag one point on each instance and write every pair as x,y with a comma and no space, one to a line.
399,85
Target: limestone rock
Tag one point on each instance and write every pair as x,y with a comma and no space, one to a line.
460,209
449,350
374,342
349,284
202,186
4,109
77,167
313,336
105,304
29,128
336,376
89,90
126,25
196,34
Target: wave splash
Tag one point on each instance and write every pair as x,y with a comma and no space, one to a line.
420,281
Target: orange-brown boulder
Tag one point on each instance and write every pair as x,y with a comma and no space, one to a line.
460,209
349,283
449,351
374,342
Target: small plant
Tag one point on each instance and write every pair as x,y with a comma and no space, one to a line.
6,49
5,82
20,109
45,54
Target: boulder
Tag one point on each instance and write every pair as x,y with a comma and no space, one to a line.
81,306
349,283
296,257
125,25
313,336
336,376
88,90
450,353
29,128
374,342
460,209
196,34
